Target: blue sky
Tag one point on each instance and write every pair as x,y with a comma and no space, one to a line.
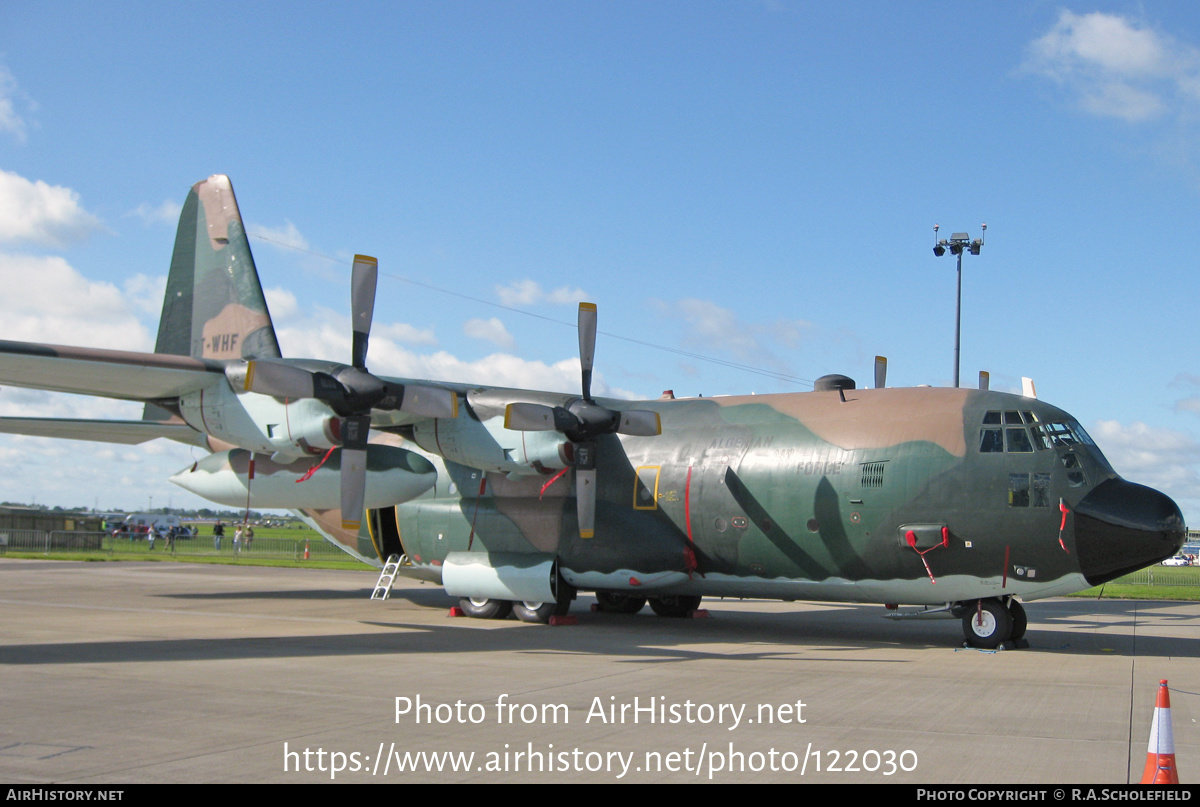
753,182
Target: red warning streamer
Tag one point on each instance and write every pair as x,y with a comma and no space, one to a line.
1063,525
550,482
911,537
308,474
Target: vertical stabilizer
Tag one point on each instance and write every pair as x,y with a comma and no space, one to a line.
214,306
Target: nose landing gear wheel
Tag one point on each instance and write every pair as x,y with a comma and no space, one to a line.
987,624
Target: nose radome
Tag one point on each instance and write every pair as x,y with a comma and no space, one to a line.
1121,527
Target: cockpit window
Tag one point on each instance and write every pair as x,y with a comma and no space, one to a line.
1001,435
1063,434
991,441
1017,440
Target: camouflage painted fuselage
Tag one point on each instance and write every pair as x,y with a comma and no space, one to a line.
808,496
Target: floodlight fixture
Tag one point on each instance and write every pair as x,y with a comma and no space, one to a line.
957,243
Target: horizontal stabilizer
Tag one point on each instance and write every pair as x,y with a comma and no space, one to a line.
129,432
109,373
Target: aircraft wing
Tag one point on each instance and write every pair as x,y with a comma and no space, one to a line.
129,432
108,373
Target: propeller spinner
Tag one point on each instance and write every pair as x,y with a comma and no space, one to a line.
582,421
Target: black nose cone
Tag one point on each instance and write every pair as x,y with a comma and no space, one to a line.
1121,527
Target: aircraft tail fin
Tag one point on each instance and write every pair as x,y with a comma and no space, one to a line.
214,306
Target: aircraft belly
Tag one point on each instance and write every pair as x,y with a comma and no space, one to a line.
951,588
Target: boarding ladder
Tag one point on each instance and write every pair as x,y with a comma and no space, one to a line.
386,577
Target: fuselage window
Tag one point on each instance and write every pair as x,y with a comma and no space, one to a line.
1041,490
1075,476
1018,490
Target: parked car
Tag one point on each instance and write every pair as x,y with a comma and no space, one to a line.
1178,560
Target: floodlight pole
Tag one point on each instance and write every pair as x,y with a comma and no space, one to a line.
957,244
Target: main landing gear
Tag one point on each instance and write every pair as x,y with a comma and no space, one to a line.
990,623
612,602
537,612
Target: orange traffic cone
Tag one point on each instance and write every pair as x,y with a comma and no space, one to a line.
1160,755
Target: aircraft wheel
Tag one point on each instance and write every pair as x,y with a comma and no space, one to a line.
483,608
675,605
987,624
614,602
539,612
1019,621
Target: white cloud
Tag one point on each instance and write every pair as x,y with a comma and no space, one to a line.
42,214
10,120
525,293
285,237
490,330
48,301
281,303
166,213
719,332
402,332
1117,67
1161,458
145,293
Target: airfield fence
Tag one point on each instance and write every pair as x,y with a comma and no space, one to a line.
50,542
203,546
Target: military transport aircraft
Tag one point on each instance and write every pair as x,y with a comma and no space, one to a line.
958,500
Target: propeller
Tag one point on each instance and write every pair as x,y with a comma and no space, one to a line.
350,390
880,372
582,421
985,379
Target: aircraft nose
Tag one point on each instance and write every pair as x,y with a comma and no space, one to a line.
1121,527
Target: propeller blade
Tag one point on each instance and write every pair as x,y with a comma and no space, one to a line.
1027,388
585,502
354,487
271,378
432,402
585,487
529,417
639,423
354,432
364,277
880,372
984,379
587,345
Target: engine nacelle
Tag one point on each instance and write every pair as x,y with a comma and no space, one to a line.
394,475
491,447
